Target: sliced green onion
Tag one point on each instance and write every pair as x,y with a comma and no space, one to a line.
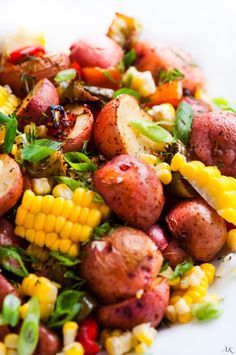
65,75
206,311
29,332
126,91
11,310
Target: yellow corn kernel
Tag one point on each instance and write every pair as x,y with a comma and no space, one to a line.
78,196
68,208
20,231
144,333
120,344
76,232
165,176
105,211
75,348
45,290
2,349
164,112
50,221
47,204
74,215
20,216
29,220
46,310
30,235
36,205
40,237
8,101
141,349
28,285
177,162
83,215
41,186
55,245
74,250
194,294
188,299
225,199
149,159
42,131
11,340
142,82
229,214
50,239
28,199
171,313
182,307
174,300
59,223
86,233
191,170
14,149
174,282
94,218
64,245
231,239
209,270
87,199
62,190
57,206
185,318
70,330
66,230
39,221
23,310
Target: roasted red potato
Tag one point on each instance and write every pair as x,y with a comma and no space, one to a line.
213,140
113,133
96,51
199,230
156,56
174,254
11,183
4,330
198,106
36,106
121,264
49,343
7,235
150,308
22,77
5,289
81,130
131,189
159,236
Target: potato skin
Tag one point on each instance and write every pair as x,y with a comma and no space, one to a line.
45,66
7,235
131,312
156,56
37,103
5,289
174,254
213,140
198,106
96,51
10,178
159,236
120,265
131,189
48,343
199,230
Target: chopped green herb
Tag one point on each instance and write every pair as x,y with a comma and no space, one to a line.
71,183
64,259
31,135
223,104
39,150
152,131
181,269
79,281
165,76
127,91
10,123
165,266
97,198
79,161
12,261
206,311
183,122
65,75
102,230
108,75
129,58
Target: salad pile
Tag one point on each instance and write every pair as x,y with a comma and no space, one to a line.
117,192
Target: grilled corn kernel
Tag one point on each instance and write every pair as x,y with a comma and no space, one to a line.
121,344
185,318
174,282
28,199
74,250
74,215
62,190
2,349
39,221
231,239
144,333
70,330
39,238
86,233
141,348
58,206
74,349
50,239
148,159
142,82
50,221
94,218
76,232
182,307
171,313
11,340
66,229
47,204
20,215
59,223
165,176
41,186
20,231
64,245
68,208
23,310
78,196
209,270
164,112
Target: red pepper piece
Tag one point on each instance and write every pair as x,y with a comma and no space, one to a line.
88,332
77,67
22,53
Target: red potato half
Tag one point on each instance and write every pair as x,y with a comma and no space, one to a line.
213,140
174,254
112,131
156,56
120,265
131,189
96,51
5,289
159,236
21,76
150,308
199,230
81,130
11,183
198,106
36,106
49,343
7,235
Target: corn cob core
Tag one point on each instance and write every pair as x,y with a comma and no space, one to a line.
8,101
218,190
58,223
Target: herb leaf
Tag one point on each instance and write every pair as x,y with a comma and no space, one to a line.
206,311
129,58
126,91
165,76
65,75
181,269
79,161
183,122
11,260
39,150
102,230
223,104
152,131
64,259
10,123
71,183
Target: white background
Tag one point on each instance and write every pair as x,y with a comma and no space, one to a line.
207,29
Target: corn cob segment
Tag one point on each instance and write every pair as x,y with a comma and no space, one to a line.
8,101
58,223
218,190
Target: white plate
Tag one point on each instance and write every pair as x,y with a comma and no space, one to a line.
207,29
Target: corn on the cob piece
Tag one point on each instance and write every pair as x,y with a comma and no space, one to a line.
44,289
57,222
8,101
218,190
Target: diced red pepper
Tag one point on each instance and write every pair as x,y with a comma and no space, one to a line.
104,78
88,332
77,67
22,53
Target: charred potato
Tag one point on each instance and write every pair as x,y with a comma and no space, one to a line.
11,183
131,189
118,266
22,77
112,131
199,230
150,308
